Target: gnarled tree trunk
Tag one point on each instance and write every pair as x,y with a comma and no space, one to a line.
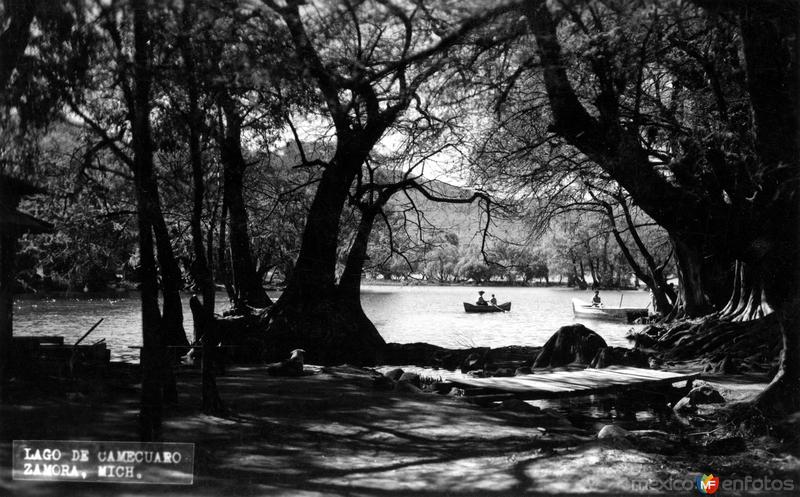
312,314
692,300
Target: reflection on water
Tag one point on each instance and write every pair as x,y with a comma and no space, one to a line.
402,314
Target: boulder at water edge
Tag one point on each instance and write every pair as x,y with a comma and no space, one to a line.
699,395
574,343
394,374
705,394
411,378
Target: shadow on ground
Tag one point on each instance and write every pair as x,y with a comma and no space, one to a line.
333,434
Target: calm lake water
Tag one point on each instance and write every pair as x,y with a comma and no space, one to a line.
402,314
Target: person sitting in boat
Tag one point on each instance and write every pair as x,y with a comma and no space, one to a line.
493,301
480,299
596,300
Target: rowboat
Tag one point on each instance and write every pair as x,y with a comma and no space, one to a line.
583,309
487,308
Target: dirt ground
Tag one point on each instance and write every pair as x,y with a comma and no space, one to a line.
332,433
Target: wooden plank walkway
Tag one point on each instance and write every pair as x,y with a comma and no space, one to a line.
561,384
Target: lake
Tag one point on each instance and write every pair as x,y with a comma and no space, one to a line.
403,314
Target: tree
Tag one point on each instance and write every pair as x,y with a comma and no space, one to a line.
367,82
475,269
108,118
714,220
201,269
248,286
154,361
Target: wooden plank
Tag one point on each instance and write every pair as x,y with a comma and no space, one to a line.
569,381
575,383
637,372
607,389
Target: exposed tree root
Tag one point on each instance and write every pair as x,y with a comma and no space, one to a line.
732,346
331,331
753,345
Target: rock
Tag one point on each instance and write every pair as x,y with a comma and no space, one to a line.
478,373
523,371
503,372
705,394
612,431
654,362
383,383
519,406
574,343
412,378
724,446
394,374
473,362
619,356
456,392
684,406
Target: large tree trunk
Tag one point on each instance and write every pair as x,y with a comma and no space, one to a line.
769,31
770,40
223,265
349,288
247,284
692,299
310,314
617,150
153,355
7,249
747,301
153,361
